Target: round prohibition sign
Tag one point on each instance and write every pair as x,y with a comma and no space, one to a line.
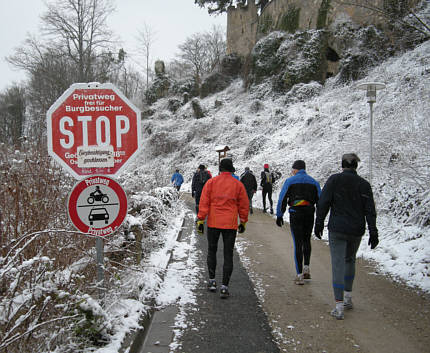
97,205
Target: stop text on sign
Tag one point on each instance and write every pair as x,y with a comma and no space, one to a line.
92,117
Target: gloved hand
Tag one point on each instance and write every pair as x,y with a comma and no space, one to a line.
192,194
200,226
242,227
373,239
318,230
279,221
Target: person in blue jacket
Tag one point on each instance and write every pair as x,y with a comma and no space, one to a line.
300,192
177,179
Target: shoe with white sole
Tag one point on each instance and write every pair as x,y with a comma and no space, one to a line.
347,304
306,272
212,285
224,293
299,280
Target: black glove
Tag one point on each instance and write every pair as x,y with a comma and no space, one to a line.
242,227
318,230
373,239
279,221
192,194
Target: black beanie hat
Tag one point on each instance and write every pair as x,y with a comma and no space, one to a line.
299,164
202,167
350,160
226,165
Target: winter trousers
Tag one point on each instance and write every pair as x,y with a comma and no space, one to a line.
229,238
197,196
301,225
267,190
250,196
343,250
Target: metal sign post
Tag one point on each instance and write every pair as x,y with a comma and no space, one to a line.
100,266
97,205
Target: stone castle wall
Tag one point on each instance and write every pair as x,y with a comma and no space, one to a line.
244,24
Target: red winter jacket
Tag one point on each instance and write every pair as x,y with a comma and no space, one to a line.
223,199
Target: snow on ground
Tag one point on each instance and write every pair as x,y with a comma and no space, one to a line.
263,128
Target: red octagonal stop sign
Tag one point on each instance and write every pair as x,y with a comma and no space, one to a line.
93,129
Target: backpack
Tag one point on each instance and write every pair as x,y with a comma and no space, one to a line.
204,177
269,178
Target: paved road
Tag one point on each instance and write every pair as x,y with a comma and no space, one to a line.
387,316
234,325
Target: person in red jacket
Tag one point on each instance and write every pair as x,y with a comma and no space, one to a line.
223,200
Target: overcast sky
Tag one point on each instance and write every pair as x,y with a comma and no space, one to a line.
172,20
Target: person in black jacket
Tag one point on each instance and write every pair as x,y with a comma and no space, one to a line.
267,180
250,182
349,198
201,176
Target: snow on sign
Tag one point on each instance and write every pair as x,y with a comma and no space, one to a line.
97,205
93,129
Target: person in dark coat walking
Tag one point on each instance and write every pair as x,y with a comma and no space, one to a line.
250,182
267,180
300,193
201,176
349,199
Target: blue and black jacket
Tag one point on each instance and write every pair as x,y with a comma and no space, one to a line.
300,192
177,179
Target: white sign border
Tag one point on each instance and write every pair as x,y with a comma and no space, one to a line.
60,101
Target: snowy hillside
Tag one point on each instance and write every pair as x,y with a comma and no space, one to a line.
318,124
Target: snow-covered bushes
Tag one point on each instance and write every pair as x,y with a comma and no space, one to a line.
49,295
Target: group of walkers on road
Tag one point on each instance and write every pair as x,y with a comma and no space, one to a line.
224,199
349,199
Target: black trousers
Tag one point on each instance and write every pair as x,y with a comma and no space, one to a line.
250,196
229,238
301,224
197,196
267,190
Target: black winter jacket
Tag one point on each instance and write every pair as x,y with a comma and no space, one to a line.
349,198
199,180
249,181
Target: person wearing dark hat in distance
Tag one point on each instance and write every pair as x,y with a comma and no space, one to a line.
250,182
267,180
201,176
349,199
223,200
300,192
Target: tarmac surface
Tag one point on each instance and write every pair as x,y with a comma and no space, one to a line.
267,313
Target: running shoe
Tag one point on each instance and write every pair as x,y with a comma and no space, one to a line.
212,285
224,293
338,314
299,280
306,272
347,304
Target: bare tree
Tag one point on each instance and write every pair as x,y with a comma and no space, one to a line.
194,51
146,38
217,46
203,51
12,115
402,12
80,27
